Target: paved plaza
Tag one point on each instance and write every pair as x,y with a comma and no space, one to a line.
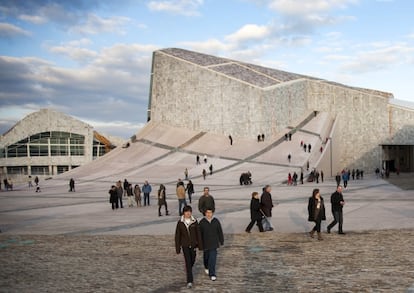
57,241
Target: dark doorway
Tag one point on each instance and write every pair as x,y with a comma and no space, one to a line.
398,158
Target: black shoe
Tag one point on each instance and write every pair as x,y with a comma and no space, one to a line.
271,229
328,230
341,233
248,231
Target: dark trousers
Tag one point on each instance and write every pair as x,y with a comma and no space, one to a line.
345,184
114,205
120,202
259,224
338,218
166,208
189,258
210,258
318,222
146,199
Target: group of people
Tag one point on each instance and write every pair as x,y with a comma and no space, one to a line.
316,212
261,210
205,235
125,189
8,184
306,147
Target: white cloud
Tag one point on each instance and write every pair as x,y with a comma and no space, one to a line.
9,30
74,53
181,7
379,59
308,7
95,24
35,19
249,32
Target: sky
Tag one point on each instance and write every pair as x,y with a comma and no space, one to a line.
91,59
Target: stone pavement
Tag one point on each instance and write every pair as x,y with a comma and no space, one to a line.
56,241
375,261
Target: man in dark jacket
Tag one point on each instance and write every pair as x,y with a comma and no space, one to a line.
337,202
187,239
267,206
212,237
206,201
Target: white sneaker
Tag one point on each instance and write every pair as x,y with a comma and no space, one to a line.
213,278
190,285
206,271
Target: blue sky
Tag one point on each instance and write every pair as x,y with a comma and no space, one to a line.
91,59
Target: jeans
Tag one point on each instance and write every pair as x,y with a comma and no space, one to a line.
267,223
338,218
210,258
120,202
146,199
189,258
181,204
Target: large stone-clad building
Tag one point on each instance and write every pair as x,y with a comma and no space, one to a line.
207,93
47,143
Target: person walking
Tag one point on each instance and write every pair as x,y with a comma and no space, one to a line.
113,197
187,239
71,185
301,177
36,181
338,179
322,176
126,184
345,178
146,189
137,193
120,192
190,190
211,169
316,212
289,158
29,181
162,200
204,174
180,191
255,213
205,159
267,206
130,194
337,203
206,201
186,173
198,160
231,139
212,237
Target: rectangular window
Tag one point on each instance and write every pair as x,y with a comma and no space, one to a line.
17,170
59,150
40,170
77,150
62,169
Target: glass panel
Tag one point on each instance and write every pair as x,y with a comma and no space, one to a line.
59,150
77,150
62,169
15,170
40,170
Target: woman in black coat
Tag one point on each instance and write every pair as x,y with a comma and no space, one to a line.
316,210
255,213
113,197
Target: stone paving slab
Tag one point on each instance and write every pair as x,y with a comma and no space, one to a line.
374,261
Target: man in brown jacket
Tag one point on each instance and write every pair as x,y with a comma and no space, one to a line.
181,197
187,239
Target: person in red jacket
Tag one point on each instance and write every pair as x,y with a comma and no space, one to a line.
187,239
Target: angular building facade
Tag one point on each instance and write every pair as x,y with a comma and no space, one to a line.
207,93
47,143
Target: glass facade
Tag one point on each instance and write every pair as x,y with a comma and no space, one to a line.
50,143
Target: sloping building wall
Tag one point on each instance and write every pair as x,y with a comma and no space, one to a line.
198,98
